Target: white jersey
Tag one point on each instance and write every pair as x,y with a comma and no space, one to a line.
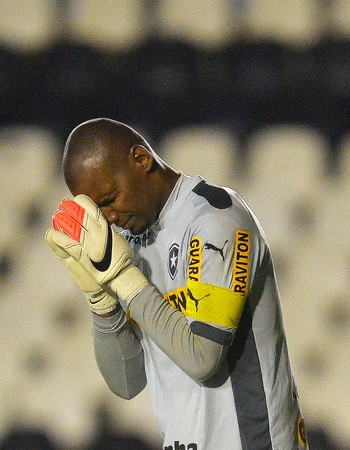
206,253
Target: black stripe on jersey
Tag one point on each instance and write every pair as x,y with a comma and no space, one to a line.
212,333
248,389
215,196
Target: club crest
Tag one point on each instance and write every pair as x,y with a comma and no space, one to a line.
173,260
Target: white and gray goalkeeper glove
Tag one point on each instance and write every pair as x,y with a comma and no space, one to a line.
99,258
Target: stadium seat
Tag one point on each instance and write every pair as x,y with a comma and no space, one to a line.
292,23
206,150
316,316
113,25
333,226
286,170
162,86
66,93
26,438
13,88
314,290
242,83
209,24
27,25
344,162
330,59
27,164
339,12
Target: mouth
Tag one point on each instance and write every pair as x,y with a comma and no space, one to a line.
126,224
134,226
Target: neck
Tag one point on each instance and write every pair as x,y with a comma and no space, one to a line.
167,181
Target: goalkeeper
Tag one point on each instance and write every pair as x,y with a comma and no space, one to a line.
183,299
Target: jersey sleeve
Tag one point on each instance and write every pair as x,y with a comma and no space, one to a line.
119,354
222,258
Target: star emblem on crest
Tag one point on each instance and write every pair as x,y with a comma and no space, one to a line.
173,259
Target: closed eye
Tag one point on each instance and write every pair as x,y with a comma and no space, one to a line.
108,200
105,203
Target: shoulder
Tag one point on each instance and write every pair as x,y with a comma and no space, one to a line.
220,206
216,196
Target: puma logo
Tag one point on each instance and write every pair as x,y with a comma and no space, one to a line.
209,246
196,300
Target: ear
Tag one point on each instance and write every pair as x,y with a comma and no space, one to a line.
141,157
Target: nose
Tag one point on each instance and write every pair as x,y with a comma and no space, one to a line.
110,214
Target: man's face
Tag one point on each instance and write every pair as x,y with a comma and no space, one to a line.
124,194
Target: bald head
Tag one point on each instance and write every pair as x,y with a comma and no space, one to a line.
115,166
97,142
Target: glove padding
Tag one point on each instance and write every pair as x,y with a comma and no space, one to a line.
99,300
97,255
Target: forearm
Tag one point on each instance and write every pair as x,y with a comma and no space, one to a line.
169,329
119,354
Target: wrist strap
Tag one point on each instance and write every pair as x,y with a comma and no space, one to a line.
129,283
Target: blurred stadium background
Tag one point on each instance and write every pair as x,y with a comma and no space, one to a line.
254,94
